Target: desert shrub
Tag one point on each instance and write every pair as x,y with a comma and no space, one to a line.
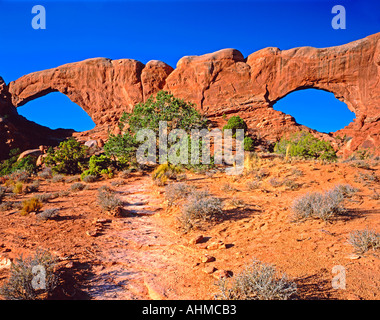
27,163
45,197
291,184
274,182
46,173
177,113
117,183
33,187
366,178
164,107
361,164
32,278
6,166
31,205
364,240
122,148
249,144
89,178
77,186
227,187
305,145
96,165
5,206
11,164
346,190
236,203
177,191
253,185
125,174
234,123
20,175
2,193
18,188
48,214
324,206
108,200
58,178
164,172
199,206
68,158
258,281
261,174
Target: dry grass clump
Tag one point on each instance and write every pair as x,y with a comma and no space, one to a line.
58,178
109,201
253,185
177,191
33,278
199,206
2,193
364,240
18,188
48,214
89,178
31,205
77,186
258,281
325,206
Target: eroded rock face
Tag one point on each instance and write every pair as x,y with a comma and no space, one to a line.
224,82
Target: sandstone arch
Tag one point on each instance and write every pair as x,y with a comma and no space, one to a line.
225,82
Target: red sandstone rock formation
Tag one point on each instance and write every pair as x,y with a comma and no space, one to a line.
225,82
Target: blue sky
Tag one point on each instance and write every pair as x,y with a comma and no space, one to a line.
167,31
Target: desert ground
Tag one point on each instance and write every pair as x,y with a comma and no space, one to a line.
145,254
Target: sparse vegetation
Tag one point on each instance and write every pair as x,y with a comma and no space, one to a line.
364,240
31,205
77,186
258,281
177,191
275,183
31,279
200,206
227,187
305,145
58,178
177,114
164,172
323,206
89,178
253,185
109,201
234,123
96,166
68,158
18,188
33,187
48,214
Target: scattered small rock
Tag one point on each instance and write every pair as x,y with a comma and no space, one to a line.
353,257
196,240
207,258
216,245
5,263
221,274
209,269
91,233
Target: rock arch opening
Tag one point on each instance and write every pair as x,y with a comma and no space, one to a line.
316,109
55,110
